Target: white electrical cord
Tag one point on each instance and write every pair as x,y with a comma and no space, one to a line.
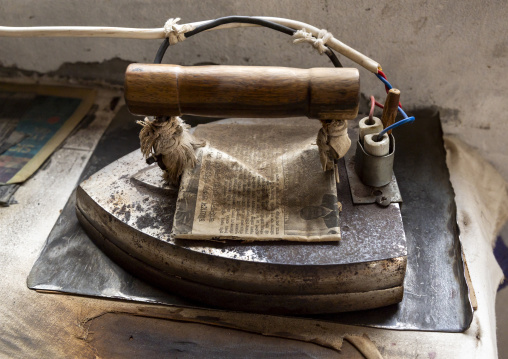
160,33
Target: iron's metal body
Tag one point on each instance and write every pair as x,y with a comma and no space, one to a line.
435,290
128,210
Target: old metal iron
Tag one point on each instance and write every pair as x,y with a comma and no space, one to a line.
128,210
70,262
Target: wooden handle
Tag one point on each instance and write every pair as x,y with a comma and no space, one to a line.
242,91
391,108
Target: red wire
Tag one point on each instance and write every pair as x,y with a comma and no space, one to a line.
386,87
372,105
384,76
379,105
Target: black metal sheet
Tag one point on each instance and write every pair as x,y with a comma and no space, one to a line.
70,262
436,294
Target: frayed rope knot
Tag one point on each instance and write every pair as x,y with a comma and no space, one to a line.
319,43
333,142
170,143
176,32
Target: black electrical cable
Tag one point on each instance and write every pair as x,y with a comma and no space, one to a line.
162,50
240,19
331,55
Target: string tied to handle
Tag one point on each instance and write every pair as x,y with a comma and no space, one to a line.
169,142
333,142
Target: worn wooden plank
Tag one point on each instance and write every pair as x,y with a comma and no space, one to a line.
123,335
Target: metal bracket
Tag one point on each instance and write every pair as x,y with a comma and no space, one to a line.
363,194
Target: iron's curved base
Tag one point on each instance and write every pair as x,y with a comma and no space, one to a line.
128,212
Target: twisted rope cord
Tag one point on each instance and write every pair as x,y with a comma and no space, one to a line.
319,42
176,32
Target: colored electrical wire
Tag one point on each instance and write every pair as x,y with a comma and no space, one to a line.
381,73
402,112
395,125
388,85
405,118
371,113
404,115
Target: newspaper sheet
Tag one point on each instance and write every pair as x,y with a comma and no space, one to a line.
258,182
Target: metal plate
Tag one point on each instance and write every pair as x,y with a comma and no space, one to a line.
69,256
361,193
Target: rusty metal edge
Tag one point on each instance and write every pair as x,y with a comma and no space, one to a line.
241,275
234,300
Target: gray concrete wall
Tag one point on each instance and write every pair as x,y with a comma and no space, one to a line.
447,54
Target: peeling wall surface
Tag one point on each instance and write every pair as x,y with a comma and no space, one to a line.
448,55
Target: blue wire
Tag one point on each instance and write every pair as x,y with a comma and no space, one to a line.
395,125
385,81
404,115
406,119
